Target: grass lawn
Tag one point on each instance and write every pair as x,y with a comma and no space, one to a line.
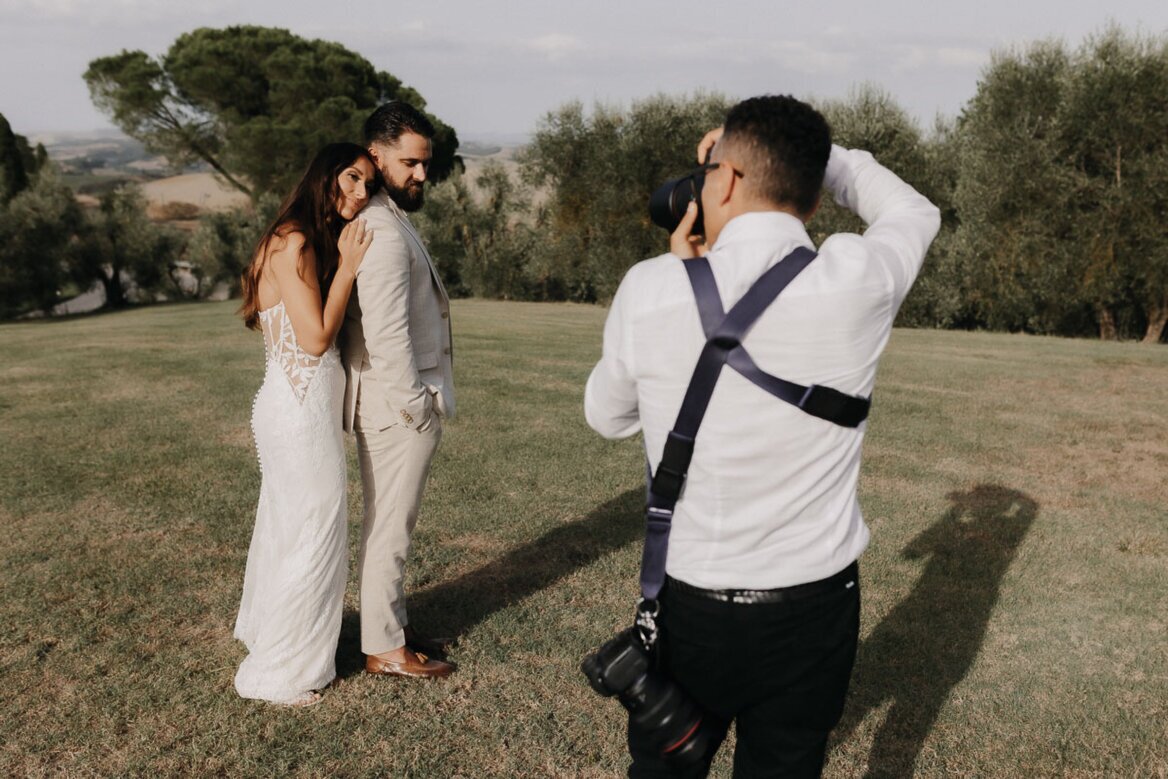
1015,592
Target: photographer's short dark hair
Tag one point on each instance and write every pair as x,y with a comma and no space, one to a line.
785,144
393,120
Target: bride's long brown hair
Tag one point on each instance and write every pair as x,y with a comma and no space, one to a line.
311,210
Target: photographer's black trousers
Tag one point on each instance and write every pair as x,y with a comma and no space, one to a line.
778,670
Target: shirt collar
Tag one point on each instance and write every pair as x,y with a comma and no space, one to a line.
762,225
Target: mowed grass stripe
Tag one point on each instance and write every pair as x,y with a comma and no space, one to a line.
1014,591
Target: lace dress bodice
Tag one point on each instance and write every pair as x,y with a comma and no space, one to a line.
284,350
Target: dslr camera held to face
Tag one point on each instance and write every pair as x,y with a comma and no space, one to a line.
668,202
656,705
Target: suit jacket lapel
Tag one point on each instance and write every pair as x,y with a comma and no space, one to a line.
409,228
400,216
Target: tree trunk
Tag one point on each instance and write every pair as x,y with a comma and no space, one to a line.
1157,318
1107,329
203,153
214,163
115,296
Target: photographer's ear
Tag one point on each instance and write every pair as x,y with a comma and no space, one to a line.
719,202
720,186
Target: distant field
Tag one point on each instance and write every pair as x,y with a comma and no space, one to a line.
1015,617
199,189
209,194
206,193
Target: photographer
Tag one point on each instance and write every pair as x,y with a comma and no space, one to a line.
759,613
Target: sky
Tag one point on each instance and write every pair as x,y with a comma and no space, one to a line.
494,69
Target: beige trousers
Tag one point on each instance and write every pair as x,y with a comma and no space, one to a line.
394,465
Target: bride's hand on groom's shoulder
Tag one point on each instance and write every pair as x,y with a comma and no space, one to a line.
352,245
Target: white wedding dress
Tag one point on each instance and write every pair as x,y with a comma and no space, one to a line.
294,586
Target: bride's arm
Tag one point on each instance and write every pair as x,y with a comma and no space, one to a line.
316,325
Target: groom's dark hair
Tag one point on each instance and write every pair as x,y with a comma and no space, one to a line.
390,121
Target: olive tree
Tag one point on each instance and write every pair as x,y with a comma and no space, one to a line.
38,245
481,236
597,172
222,244
1115,133
123,249
1062,188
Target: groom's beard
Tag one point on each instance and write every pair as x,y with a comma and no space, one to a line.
408,197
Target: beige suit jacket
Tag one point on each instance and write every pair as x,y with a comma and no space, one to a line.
396,342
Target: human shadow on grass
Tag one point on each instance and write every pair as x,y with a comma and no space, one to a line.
454,607
928,642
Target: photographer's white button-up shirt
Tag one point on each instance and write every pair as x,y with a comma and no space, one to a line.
770,500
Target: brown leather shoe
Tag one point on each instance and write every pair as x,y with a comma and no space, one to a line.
434,647
416,665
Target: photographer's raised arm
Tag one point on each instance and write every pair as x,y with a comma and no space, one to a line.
901,221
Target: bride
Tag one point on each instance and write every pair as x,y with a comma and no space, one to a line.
295,291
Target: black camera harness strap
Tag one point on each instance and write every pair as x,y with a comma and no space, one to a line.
724,334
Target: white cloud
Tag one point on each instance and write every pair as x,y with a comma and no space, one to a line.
963,57
555,45
910,58
110,11
796,56
42,8
802,57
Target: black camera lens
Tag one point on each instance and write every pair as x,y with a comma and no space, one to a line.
656,705
667,204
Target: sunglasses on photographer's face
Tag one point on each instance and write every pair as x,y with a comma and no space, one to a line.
706,168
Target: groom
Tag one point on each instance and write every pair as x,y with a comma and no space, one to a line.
399,387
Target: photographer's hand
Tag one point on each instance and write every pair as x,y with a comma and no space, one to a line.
681,242
707,144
